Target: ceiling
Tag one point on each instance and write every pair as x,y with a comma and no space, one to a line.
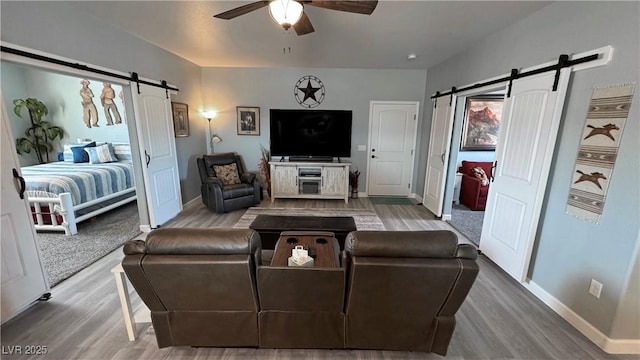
433,30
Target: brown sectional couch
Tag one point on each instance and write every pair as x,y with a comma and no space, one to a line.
395,290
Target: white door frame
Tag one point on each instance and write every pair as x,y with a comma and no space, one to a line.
127,89
415,139
605,54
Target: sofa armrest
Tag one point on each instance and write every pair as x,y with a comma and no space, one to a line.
470,184
213,180
247,177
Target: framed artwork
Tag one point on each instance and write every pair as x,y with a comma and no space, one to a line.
481,123
180,119
248,120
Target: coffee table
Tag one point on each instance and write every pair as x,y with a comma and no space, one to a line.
323,243
270,226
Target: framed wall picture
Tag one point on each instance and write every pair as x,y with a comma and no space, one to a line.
248,120
481,123
180,119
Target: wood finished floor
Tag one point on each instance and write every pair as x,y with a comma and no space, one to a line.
499,319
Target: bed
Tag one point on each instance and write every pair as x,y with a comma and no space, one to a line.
64,193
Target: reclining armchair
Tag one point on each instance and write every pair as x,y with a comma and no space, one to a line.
226,186
473,193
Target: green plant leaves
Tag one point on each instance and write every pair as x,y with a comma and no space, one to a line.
38,136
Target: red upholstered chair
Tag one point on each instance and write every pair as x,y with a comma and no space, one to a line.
472,193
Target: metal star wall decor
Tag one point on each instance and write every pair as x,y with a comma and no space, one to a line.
309,91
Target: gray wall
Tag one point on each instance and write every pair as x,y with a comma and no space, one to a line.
63,30
570,252
226,88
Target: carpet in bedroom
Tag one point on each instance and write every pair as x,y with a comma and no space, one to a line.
468,222
63,256
365,219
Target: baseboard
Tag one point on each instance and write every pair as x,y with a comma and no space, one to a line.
192,201
416,196
611,346
446,217
145,228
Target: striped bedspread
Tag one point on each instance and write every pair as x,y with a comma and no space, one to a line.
85,182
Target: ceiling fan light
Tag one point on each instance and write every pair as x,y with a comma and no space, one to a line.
285,12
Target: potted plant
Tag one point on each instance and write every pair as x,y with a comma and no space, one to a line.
40,135
265,170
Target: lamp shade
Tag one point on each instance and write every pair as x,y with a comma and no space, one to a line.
209,114
285,12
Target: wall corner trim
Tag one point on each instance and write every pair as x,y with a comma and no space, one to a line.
611,346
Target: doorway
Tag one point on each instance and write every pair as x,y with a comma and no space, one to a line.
393,129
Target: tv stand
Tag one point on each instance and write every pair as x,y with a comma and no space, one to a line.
327,159
309,180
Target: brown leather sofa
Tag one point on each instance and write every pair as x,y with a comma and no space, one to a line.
395,290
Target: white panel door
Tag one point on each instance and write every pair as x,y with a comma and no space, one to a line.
526,143
23,278
392,138
158,152
438,155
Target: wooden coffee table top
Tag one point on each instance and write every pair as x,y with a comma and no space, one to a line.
324,243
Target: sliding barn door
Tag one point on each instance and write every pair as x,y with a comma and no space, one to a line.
152,107
526,143
23,278
438,156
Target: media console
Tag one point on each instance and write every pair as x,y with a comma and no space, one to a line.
309,180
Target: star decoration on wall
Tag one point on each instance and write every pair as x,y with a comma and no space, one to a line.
309,91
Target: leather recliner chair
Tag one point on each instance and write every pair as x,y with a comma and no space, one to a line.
199,284
220,197
404,288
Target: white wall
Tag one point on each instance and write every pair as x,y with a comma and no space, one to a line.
62,29
352,89
570,252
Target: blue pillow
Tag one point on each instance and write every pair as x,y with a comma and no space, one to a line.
60,156
79,155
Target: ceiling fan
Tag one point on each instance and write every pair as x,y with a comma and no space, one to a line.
290,13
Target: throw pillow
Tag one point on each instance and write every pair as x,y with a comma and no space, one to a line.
79,155
480,174
227,173
101,154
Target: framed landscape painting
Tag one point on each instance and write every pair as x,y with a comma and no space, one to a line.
248,120
481,123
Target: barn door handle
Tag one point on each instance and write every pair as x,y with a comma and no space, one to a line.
22,183
442,158
493,171
146,155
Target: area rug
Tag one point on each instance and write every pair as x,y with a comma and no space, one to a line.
364,219
598,150
468,222
385,200
63,256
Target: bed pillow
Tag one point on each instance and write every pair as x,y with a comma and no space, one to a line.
101,154
67,153
227,173
79,155
122,151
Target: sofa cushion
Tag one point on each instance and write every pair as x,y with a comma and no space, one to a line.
227,173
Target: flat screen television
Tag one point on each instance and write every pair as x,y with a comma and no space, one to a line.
310,133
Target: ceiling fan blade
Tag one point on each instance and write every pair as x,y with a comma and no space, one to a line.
303,26
245,9
354,6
